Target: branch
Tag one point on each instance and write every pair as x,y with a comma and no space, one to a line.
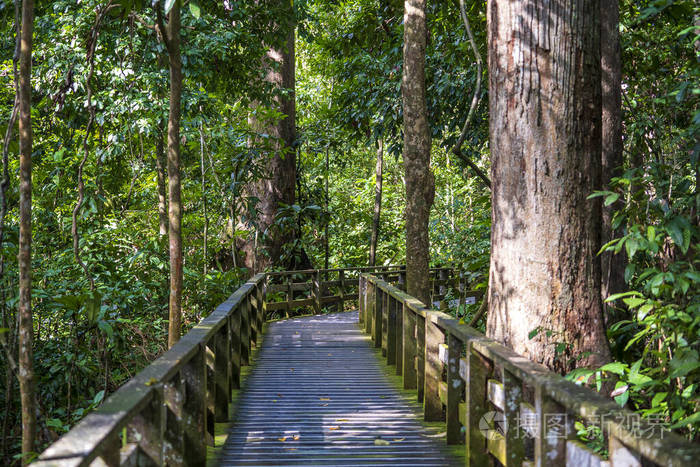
476,98
162,32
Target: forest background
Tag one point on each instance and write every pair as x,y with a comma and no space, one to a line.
96,326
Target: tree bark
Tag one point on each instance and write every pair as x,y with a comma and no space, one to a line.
420,183
160,177
612,265
26,328
377,203
278,186
174,202
545,132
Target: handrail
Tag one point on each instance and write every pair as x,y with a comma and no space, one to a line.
166,413
498,403
168,410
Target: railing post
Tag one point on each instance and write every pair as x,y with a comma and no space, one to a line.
377,299
398,329
222,377
512,398
234,324
432,406
402,280
361,298
409,348
554,427
245,332
442,290
420,356
369,308
173,436
316,292
477,376
341,278
259,299
110,452
210,392
290,296
391,330
454,390
194,414
146,428
385,324
253,316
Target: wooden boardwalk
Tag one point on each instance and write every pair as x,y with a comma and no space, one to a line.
318,396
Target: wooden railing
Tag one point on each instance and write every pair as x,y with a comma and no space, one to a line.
500,405
165,415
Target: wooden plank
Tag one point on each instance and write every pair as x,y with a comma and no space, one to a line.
496,444
455,386
399,336
512,397
420,357
410,380
495,393
478,370
391,331
332,410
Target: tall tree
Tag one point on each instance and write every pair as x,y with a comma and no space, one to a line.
277,187
420,182
174,202
545,131
377,203
26,327
612,265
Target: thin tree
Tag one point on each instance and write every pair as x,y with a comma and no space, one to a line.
612,265
377,203
420,182
161,180
545,137
171,37
26,329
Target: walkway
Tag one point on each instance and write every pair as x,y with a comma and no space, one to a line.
318,396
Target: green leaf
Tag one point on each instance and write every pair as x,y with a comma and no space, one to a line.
533,333
169,5
611,198
195,9
687,421
633,302
614,367
659,397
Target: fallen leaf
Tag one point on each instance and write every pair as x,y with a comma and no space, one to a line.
280,395
151,382
324,398
283,439
296,437
381,442
333,428
398,439
291,449
274,400
342,420
324,405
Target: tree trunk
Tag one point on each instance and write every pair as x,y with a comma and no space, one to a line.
204,195
612,265
420,183
377,203
545,132
26,329
174,203
279,183
328,219
160,177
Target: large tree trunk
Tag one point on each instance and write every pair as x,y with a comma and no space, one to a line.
612,265
174,203
545,136
377,203
26,328
160,177
420,183
280,175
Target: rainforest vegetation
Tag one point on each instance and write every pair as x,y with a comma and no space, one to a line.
158,153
